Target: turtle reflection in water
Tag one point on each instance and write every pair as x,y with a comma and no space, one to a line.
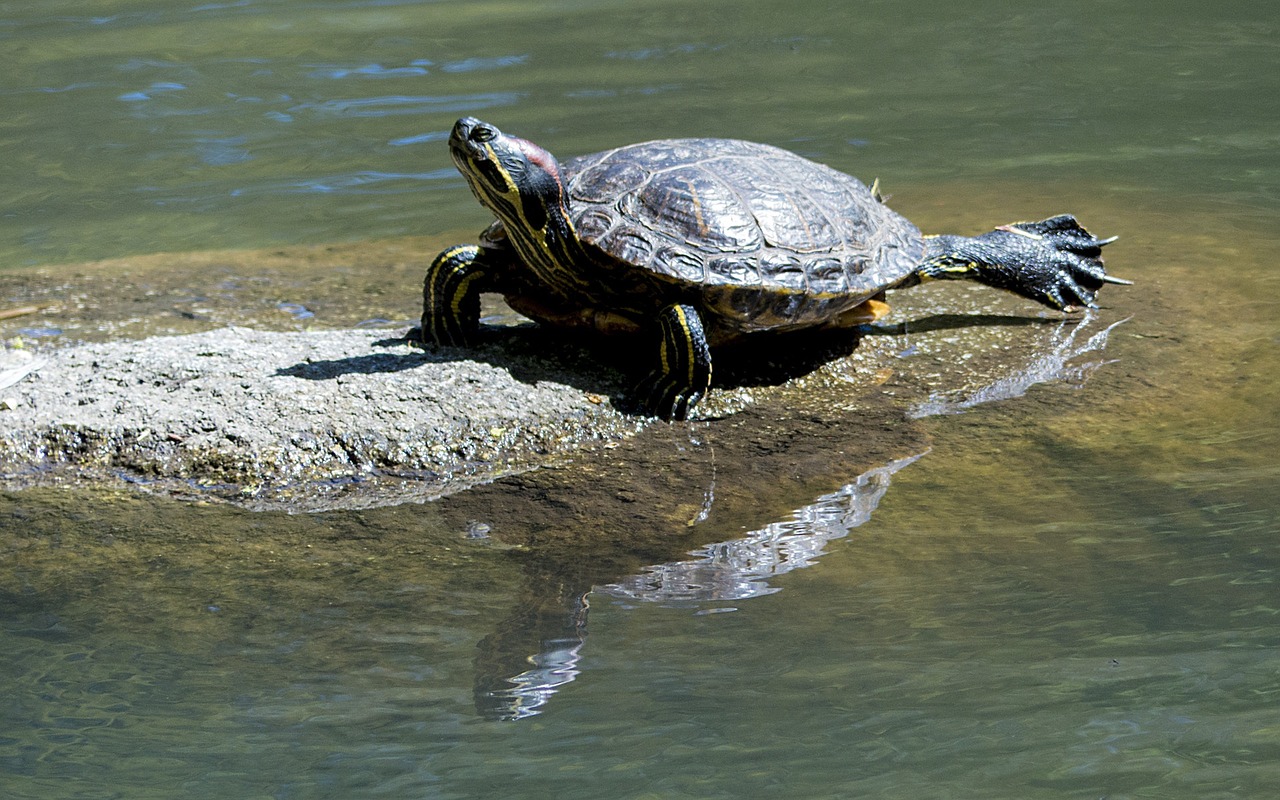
704,241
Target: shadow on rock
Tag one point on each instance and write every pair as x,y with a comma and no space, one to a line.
372,364
533,353
528,353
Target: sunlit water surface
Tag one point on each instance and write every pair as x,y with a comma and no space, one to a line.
1072,594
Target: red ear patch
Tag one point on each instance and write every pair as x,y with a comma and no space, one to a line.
540,158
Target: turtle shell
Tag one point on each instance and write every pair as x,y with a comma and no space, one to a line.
729,214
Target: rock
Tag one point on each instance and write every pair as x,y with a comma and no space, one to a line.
294,419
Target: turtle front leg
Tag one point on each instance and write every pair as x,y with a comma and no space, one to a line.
1054,261
451,296
683,372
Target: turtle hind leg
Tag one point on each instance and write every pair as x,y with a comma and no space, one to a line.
683,373
451,296
1054,261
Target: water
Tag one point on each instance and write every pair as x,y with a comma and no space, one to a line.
1070,594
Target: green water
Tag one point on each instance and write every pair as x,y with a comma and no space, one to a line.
1071,594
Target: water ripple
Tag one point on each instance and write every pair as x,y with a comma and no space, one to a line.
371,71
363,182
650,53
478,64
221,6
421,138
220,152
415,68
160,87
70,87
396,105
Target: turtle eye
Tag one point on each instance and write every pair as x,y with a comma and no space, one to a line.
483,133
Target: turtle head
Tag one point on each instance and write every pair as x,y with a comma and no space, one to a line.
514,178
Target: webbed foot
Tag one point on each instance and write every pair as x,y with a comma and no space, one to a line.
1054,261
1063,263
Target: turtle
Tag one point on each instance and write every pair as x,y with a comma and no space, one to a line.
702,242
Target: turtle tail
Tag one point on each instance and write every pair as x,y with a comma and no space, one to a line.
1054,261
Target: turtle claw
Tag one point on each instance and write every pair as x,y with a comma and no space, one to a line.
1054,261
657,395
1070,296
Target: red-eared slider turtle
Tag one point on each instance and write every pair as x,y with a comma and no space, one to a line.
704,241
